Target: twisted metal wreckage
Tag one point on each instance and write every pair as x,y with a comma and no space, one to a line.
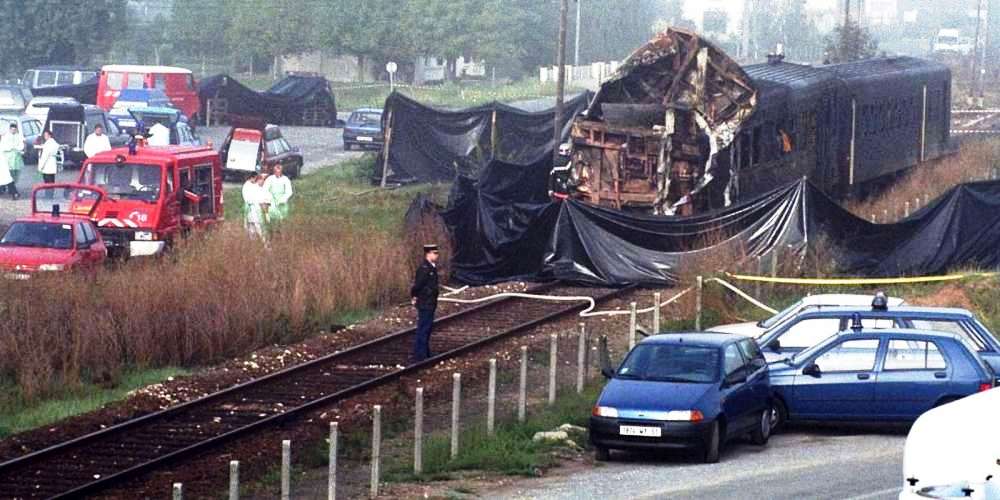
651,135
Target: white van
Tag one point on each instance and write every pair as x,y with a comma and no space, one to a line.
53,76
956,445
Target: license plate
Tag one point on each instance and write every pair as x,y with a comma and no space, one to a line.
17,276
635,430
364,139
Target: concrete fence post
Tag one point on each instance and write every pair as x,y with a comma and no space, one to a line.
760,270
873,217
700,284
234,480
376,448
522,396
178,491
418,433
553,365
916,204
906,209
927,198
456,399
774,266
331,473
632,324
581,358
286,469
491,399
885,214
656,313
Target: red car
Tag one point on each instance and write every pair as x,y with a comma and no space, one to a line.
58,236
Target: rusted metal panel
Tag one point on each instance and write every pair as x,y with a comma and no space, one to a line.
650,137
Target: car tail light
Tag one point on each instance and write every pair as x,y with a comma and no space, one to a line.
684,416
604,411
985,387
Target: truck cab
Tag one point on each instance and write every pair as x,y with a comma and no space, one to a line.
154,195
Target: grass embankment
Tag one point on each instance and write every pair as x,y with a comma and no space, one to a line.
219,295
447,95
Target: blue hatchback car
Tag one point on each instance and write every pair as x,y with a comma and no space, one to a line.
364,129
685,390
877,375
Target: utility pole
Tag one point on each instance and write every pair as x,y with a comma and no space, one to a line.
561,78
979,61
745,30
576,49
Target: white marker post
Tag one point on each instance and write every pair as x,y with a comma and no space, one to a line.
491,399
286,469
376,448
632,324
418,433
656,313
234,480
553,364
331,474
522,397
178,491
456,397
581,358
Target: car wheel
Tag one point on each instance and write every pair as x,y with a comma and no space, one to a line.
602,454
762,432
779,416
713,444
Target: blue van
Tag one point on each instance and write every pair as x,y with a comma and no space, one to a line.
684,390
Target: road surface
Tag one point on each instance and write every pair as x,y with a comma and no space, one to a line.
805,463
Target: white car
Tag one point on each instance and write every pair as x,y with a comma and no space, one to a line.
38,107
954,446
808,303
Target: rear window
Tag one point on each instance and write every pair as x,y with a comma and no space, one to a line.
913,355
366,119
116,81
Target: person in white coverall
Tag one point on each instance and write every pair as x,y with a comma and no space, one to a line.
159,135
48,164
12,152
254,214
280,189
97,142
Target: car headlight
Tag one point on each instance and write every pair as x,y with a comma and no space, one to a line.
51,267
605,411
684,416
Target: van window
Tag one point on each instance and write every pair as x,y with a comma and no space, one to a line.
86,76
29,78
135,81
46,79
115,80
64,78
160,81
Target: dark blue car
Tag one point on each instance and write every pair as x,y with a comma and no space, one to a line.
364,129
877,375
688,390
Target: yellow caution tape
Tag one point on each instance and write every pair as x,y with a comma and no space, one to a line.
856,281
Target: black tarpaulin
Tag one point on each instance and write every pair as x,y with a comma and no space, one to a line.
84,93
504,228
292,101
429,144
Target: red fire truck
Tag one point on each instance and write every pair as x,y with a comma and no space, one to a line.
154,195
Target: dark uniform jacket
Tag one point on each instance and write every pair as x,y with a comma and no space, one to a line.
425,286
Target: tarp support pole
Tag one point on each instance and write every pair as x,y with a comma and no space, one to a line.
854,123
385,150
493,135
923,126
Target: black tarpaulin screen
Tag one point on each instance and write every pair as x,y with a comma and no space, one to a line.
283,104
431,145
505,228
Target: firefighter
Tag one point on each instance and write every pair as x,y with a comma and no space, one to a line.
560,180
424,296
280,189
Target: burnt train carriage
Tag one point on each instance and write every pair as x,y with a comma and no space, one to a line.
681,128
843,126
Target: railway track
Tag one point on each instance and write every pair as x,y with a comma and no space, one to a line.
106,458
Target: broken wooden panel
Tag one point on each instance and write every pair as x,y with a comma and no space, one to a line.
649,138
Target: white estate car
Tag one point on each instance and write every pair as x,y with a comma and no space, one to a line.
808,303
38,107
954,447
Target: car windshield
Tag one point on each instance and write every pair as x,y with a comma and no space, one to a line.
671,363
125,180
39,235
366,119
778,318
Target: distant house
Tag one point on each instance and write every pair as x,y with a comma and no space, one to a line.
335,67
435,69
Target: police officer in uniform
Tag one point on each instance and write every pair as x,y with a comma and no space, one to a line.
424,296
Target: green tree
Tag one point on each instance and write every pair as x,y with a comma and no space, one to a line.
52,31
198,27
373,30
270,28
849,43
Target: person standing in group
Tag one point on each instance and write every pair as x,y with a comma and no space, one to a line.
96,142
48,164
12,151
424,296
253,211
280,188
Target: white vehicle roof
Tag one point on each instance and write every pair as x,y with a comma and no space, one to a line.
137,68
51,100
845,299
959,441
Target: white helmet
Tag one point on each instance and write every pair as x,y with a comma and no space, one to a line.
565,148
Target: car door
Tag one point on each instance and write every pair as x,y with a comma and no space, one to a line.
914,375
844,388
736,396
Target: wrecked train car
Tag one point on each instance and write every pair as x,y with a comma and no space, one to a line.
681,128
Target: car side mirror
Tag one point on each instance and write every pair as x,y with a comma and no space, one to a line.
758,363
737,377
774,345
812,369
605,357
